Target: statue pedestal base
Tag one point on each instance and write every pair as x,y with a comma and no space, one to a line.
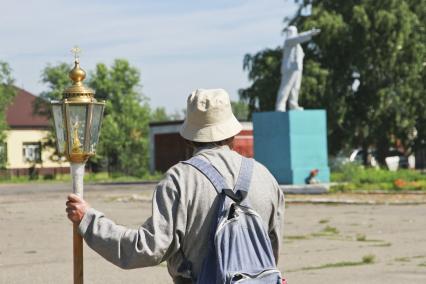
292,144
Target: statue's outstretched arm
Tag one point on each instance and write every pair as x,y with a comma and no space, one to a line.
302,37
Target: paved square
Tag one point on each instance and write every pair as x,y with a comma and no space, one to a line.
322,243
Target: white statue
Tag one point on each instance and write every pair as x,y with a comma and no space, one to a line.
291,68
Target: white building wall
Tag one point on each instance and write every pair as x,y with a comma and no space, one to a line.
15,141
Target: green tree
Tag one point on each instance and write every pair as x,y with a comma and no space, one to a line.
264,72
124,140
178,114
159,114
420,140
240,109
7,93
379,45
56,78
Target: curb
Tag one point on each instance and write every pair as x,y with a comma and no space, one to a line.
305,188
123,183
350,202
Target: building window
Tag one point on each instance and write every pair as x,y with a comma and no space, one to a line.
31,152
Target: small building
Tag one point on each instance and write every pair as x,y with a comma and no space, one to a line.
167,147
25,143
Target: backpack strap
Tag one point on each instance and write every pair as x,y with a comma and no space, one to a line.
242,185
239,193
210,172
216,179
219,184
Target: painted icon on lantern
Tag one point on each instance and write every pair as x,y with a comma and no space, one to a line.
78,115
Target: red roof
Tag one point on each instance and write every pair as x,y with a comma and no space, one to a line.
20,114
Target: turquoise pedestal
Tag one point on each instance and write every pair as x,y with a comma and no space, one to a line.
292,144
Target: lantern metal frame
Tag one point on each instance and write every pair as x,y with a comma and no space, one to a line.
72,156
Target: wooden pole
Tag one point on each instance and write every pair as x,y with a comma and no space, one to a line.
78,256
77,172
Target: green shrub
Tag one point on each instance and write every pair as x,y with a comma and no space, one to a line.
353,177
358,174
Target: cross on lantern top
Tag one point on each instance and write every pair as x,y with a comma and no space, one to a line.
76,51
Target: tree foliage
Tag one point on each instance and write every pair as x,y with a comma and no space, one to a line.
159,114
56,78
240,109
380,46
264,72
124,140
7,93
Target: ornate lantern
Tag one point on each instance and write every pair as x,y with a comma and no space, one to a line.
77,119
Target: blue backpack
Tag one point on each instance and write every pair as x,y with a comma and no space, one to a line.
240,249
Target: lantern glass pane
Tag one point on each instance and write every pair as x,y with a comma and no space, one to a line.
77,125
58,120
96,126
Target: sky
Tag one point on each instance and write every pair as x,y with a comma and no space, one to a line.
178,46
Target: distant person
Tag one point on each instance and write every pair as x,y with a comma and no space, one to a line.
292,68
186,203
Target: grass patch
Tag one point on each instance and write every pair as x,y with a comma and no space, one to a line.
366,259
423,264
323,221
330,230
402,259
361,238
385,244
374,241
409,258
419,256
296,237
327,231
353,177
369,258
88,178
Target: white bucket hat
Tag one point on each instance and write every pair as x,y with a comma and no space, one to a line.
209,117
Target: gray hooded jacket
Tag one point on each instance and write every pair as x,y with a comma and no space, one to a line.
183,206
